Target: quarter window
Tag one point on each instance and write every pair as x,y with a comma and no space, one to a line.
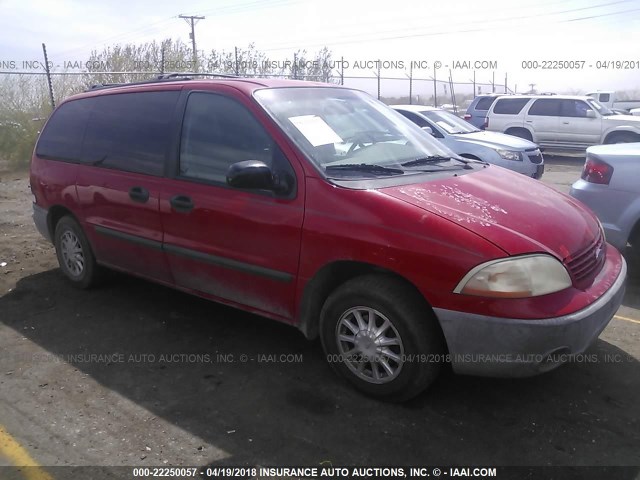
62,136
545,107
130,131
485,103
510,106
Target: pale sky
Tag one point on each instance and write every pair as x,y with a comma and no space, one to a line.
506,32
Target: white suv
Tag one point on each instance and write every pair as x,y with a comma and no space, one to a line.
563,122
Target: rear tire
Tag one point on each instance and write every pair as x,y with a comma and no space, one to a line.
382,336
74,253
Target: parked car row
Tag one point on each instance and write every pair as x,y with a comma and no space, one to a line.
320,207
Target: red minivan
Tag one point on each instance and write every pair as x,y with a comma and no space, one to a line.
319,206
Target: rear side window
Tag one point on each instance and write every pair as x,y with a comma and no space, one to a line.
130,131
218,132
605,97
62,136
545,107
510,106
485,103
417,119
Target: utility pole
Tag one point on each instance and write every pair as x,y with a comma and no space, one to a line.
531,85
46,67
435,94
192,20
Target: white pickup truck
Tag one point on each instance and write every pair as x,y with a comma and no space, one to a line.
608,99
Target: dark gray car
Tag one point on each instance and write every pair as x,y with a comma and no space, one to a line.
477,111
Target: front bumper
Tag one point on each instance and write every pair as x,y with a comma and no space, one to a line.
533,170
505,347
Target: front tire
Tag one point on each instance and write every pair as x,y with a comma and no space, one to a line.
74,253
380,334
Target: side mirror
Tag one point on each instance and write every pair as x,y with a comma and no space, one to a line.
590,114
253,174
429,130
250,174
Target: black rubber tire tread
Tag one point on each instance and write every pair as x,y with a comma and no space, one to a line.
411,316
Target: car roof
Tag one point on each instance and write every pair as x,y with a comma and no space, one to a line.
554,96
246,85
417,108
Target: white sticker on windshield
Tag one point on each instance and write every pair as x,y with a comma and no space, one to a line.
316,130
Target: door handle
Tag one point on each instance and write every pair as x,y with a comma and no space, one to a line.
139,194
565,123
182,203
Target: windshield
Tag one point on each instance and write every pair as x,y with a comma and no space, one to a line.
449,122
348,133
599,107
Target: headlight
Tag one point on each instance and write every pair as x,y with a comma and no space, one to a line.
520,277
509,155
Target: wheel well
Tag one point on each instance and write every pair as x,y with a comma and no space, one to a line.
509,131
329,278
635,234
55,214
613,135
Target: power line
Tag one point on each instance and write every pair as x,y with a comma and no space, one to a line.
253,5
360,39
129,33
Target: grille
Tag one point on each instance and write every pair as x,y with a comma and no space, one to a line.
585,264
534,156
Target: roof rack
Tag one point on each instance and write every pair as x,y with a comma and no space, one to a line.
167,76
161,78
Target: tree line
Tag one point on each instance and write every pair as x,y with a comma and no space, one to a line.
26,102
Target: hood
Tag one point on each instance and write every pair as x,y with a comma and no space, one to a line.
496,140
516,213
623,119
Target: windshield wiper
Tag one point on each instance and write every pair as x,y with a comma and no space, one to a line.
365,167
436,159
426,160
99,161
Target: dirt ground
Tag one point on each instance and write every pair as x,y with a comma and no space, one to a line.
137,374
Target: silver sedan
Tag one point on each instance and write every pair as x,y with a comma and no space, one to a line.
610,186
466,140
